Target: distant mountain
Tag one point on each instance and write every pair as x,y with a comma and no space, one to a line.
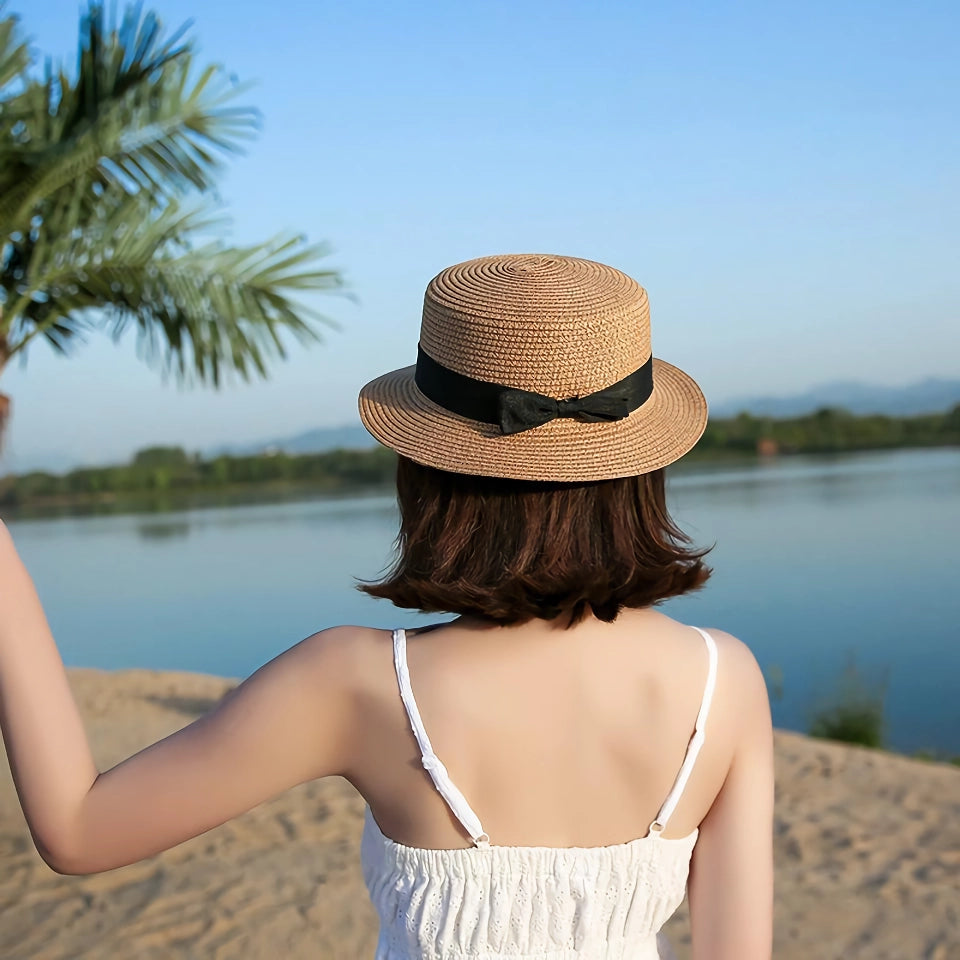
928,396
347,437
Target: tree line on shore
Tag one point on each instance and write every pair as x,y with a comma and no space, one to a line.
165,471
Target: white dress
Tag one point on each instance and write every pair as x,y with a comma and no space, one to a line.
527,903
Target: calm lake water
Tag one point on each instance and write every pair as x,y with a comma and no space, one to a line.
818,562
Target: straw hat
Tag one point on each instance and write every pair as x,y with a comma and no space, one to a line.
538,368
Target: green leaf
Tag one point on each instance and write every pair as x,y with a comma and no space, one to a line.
196,305
14,54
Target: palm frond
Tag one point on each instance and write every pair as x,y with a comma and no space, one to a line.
198,309
131,116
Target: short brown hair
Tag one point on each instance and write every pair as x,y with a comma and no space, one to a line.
515,550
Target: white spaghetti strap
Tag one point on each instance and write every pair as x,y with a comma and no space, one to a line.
454,799
696,741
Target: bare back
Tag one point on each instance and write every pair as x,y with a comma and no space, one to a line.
557,737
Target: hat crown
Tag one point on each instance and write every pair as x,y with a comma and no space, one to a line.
560,326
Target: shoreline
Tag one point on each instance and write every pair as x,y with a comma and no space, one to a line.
112,503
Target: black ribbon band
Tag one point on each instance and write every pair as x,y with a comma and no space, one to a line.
515,410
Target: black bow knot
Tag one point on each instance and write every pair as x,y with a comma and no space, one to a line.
521,410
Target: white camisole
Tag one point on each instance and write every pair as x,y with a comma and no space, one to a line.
526,903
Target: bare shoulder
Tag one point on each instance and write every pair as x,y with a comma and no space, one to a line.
735,654
342,654
326,684
737,667
740,679
326,674
345,641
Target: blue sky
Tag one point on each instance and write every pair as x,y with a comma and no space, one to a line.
782,178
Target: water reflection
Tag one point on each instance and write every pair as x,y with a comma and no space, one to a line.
165,529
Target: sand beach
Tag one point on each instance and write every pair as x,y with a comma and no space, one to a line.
867,858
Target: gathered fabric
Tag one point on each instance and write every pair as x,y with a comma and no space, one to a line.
527,903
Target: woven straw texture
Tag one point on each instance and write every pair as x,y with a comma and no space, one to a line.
560,326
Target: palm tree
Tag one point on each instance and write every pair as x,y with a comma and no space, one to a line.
103,219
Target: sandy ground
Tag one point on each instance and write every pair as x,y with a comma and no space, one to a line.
867,847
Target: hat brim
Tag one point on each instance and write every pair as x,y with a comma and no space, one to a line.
656,434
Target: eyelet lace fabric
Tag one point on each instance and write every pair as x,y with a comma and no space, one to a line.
534,903
526,903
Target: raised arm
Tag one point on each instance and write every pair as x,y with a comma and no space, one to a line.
731,875
290,722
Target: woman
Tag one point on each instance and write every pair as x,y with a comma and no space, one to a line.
612,757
